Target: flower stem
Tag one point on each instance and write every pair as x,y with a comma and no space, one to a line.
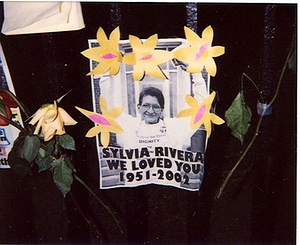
23,130
254,84
100,201
221,189
22,107
93,228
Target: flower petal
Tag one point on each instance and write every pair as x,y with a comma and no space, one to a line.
93,53
154,71
115,38
101,37
185,113
191,36
67,119
210,66
216,119
38,126
150,43
129,59
93,131
192,102
115,112
138,72
114,68
208,35
101,68
115,127
38,115
84,112
207,125
49,133
195,67
161,56
186,54
51,115
136,44
217,51
105,137
103,104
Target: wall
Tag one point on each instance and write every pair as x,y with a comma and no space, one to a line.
259,202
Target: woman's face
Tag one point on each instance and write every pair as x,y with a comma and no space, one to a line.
150,109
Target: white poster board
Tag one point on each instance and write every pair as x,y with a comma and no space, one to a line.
166,153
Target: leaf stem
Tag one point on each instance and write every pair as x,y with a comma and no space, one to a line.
23,130
22,107
100,201
254,84
221,189
92,227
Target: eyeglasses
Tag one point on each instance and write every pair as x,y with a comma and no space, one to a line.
147,106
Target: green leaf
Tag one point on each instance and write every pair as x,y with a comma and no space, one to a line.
238,117
31,147
67,142
49,150
62,175
19,165
15,158
44,162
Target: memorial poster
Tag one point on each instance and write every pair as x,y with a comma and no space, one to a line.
151,110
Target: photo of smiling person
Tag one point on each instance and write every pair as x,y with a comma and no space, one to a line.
151,105
151,127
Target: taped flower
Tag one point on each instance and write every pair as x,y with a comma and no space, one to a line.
105,122
200,113
199,53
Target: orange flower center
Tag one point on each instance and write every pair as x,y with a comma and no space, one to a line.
200,114
108,56
146,57
99,119
201,51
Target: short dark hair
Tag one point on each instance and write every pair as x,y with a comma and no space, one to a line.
154,92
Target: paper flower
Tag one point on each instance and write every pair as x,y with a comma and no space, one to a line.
145,59
107,54
200,113
200,53
105,122
51,121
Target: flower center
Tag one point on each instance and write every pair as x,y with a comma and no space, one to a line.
146,57
201,51
108,56
99,119
200,114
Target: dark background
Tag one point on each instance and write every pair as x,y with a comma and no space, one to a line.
257,206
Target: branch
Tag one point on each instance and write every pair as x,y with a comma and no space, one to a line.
221,189
23,130
100,201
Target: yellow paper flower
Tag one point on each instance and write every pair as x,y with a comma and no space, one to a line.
200,113
105,122
145,59
107,54
51,121
200,53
